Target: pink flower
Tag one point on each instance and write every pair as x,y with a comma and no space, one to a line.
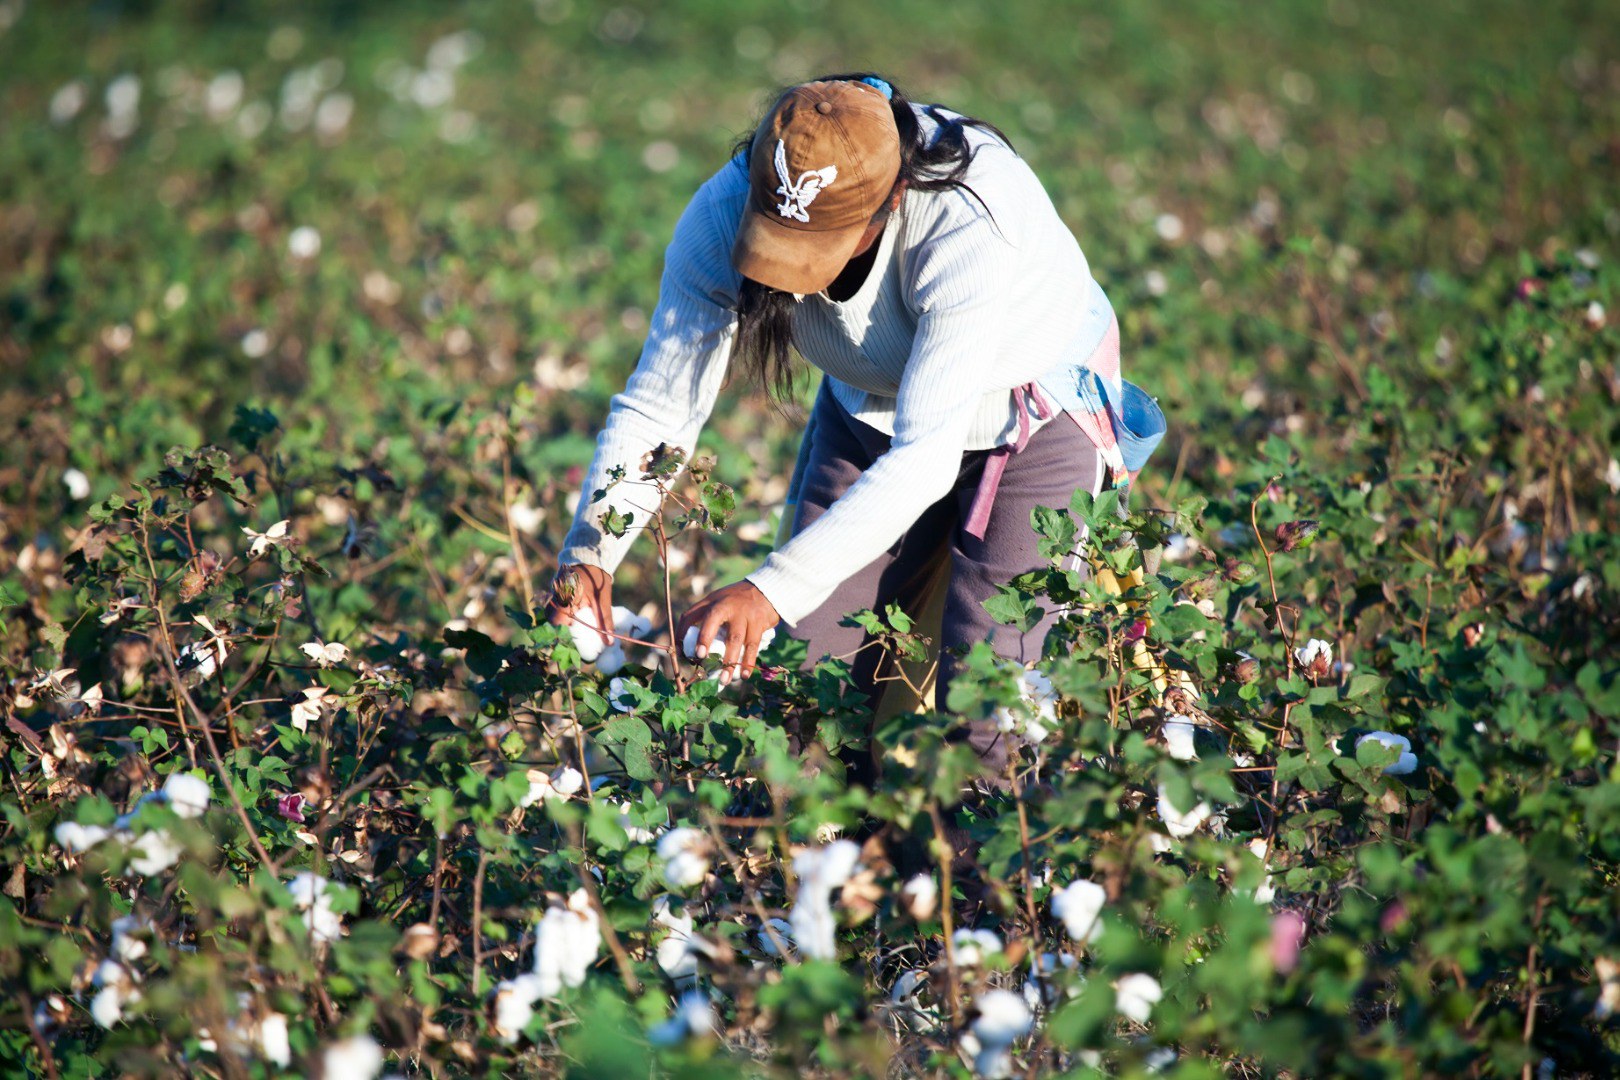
1393,918
1137,631
291,807
1287,935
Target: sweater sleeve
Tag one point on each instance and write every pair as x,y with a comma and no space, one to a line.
958,290
671,393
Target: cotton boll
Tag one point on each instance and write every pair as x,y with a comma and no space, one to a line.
512,1006
154,851
1002,1018
685,852
776,938
1135,995
588,639
820,871
638,834
920,897
566,943
304,242
312,897
1180,823
116,991
1178,736
1403,765
567,780
1079,908
717,647
77,484
1266,891
126,946
618,695
189,795
274,1046
678,953
1039,991
973,946
611,660
627,623
355,1058
76,838
693,1018
1315,657
1036,713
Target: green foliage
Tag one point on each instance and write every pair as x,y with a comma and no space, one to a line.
1361,254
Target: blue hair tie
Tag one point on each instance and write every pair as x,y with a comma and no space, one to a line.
880,86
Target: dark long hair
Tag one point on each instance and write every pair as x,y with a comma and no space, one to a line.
764,315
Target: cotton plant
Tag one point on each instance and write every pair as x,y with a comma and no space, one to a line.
512,1005
819,872
202,660
1000,1019
775,937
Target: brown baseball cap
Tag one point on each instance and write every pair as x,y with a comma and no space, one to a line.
820,167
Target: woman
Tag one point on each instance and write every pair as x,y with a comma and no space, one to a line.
912,256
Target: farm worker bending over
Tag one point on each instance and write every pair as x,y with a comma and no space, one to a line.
971,361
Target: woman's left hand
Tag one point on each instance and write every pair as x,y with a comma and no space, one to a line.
744,613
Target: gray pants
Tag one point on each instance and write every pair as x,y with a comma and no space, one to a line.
1058,459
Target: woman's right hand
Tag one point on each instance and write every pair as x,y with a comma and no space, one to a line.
578,587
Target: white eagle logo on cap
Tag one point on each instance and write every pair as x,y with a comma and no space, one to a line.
799,196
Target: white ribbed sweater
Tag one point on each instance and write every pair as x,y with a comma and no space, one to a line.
974,291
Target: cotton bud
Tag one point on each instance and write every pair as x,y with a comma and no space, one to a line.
419,941
1472,633
1135,995
686,854
1246,670
1293,535
920,897
1079,908
1315,658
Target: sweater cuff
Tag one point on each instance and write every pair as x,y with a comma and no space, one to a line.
789,595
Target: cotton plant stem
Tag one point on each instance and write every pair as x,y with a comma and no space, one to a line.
478,923
524,578
946,915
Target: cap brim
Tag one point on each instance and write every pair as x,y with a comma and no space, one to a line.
792,260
